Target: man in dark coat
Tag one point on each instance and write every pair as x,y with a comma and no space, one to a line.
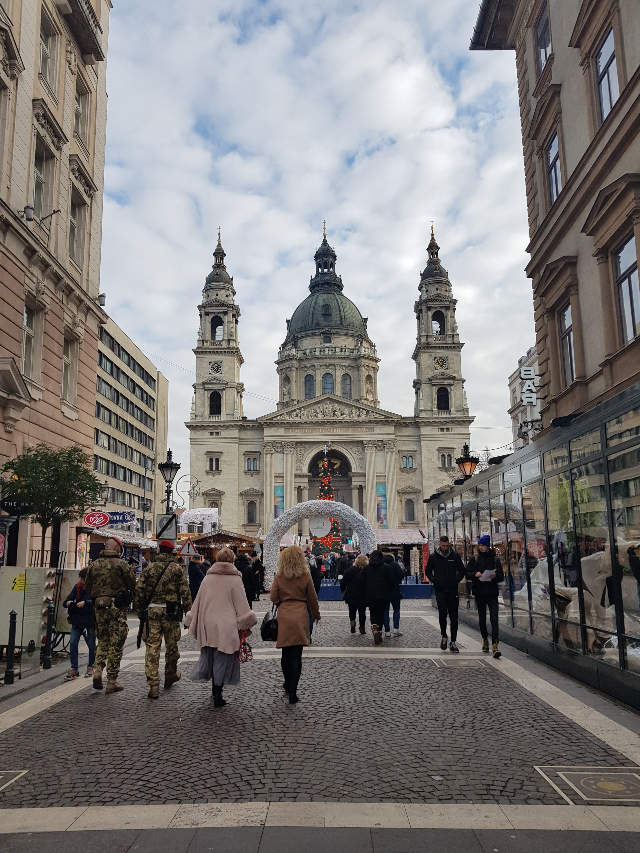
397,576
244,565
445,570
352,585
378,585
196,575
485,572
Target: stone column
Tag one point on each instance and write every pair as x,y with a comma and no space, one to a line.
354,497
607,301
268,485
305,521
289,450
370,448
392,491
578,340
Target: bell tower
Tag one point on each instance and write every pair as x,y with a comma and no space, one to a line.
218,389
439,386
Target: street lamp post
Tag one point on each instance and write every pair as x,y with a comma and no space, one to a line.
467,463
169,469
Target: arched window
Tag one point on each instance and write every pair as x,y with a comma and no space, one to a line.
404,461
214,464
215,403
217,465
255,464
211,463
327,383
252,512
443,399
409,510
326,311
309,387
410,462
217,328
248,464
437,323
346,386
449,461
443,461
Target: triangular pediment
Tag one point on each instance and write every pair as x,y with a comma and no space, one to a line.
329,408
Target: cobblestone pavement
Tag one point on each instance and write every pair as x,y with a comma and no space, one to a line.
368,730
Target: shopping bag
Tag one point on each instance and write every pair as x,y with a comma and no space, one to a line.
244,652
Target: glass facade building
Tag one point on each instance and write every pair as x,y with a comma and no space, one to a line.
563,514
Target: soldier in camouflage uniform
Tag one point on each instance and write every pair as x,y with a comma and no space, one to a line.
110,580
162,618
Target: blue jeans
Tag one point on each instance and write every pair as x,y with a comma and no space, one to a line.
76,633
396,617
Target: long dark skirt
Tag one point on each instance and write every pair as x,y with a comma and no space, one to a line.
223,668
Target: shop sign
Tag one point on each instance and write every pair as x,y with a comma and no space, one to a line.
123,517
528,390
96,519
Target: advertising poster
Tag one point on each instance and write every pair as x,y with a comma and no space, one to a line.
381,504
278,501
81,550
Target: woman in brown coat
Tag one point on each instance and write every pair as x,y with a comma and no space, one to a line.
292,590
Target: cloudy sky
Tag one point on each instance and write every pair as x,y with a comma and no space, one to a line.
268,116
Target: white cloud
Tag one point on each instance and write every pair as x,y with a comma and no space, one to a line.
268,117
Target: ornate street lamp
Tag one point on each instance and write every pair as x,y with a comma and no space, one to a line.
467,463
106,493
169,469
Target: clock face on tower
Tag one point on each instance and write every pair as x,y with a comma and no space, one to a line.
440,362
215,367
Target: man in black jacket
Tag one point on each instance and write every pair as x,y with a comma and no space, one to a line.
445,570
485,571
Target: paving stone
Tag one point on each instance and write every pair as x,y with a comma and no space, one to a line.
314,840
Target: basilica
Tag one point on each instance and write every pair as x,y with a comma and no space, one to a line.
383,464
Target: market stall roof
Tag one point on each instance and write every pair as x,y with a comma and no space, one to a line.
401,536
219,536
127,538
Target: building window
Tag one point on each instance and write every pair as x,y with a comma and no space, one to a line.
47,51
410,462
345,386
607,76
255,464
443,399
252,512
214,464
28,340
326,339
66,370
77,218
443,460
437,323
326,311
566,346
409,510
404,461
217,328
543,39
626,273
449,460
553,169
39,181
327,383
215,403
248,465
309,387
81,117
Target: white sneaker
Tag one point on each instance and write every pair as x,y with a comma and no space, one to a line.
397,632
387,635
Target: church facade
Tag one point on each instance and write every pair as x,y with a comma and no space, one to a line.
383,464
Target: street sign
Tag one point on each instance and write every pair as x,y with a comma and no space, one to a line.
319,526
14,506
167,526
96,519
123,517
188,549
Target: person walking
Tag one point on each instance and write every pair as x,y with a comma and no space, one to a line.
80,615
485,572
219,615
397,576
245,567
293,591
162,596
445,570
352,585
196,574
258,575
378,585
316,577
110,584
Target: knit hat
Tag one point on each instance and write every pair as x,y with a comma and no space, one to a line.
485,540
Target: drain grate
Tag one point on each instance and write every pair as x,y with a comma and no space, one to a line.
594,784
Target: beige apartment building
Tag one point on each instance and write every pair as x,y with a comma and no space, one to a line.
578,71
53,108
130,429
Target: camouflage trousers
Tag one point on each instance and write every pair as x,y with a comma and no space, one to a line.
161,626
111,631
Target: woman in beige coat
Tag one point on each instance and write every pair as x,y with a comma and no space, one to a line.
219,613
293,591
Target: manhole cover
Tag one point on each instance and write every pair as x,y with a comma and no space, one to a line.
594,784
8,777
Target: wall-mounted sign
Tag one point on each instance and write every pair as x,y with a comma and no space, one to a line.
124,517
528,390
96,519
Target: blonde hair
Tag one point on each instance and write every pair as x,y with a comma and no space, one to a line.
360,561
292,562
225,555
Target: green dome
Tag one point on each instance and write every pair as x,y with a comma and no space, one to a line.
312,315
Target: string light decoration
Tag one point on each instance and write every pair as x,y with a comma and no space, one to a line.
348,516
333,540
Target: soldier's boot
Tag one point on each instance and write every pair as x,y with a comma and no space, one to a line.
171,679
154,691
113,686
218,701
485,645
97,678
496,652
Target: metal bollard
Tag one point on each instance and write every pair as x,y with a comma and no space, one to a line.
47,643
9,671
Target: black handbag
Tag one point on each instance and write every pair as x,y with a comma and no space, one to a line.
269,626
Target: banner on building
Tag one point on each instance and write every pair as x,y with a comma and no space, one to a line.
278,501
381,505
